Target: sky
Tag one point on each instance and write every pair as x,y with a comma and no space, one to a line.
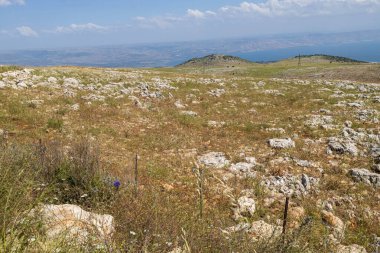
41,24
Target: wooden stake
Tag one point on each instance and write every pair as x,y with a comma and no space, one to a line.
136,175
299,60
285,215
201,193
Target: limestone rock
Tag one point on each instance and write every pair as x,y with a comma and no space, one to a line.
245,207
217,92
354,248
340,146
320,121
262,231
212,123
290,184
365,176
75,224
189,113
281,143
335,223
243,169
214,160
52,79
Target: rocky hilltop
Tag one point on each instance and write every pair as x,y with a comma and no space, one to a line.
215,60
182,160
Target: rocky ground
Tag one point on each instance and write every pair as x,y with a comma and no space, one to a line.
242,142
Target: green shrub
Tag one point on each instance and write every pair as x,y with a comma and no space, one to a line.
55,123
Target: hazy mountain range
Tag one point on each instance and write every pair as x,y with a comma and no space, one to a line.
362,45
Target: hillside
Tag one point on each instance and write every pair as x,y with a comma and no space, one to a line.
329,58
187,161
215,60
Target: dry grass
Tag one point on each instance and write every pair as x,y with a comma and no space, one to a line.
159,219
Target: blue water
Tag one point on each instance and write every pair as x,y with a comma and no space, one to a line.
364,51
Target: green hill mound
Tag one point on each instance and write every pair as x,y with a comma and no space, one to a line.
330,58
215,60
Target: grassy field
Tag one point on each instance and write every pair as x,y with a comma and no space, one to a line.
165,213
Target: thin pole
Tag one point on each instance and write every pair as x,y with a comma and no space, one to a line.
136,175
299,60
201,193
285,215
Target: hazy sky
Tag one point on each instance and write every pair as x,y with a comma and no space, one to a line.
63,23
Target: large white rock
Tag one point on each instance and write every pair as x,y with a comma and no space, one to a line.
262,231
354,248
281,143
365,176
335,223
214,160
245,207
243,169
75,224
71,82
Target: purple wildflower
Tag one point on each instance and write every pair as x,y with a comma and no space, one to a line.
117,184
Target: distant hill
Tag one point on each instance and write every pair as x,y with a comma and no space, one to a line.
215,60
330,58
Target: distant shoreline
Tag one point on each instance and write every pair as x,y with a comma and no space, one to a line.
169,56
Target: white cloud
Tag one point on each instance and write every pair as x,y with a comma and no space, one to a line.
195,13
27,31
268,9
80,27
303,7
10,2
160,22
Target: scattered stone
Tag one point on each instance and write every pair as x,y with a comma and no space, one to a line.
305,182
2,85
278,130
290,185
217,92
69,93
214,160
367,115
376,168
296,215
261,84
281,143
212,123
245,207
75,224
335,223
375,153
243,169
341,146
189,113
354,248
179,104
355,104
274,92
75,107
34,103
325,111
303,163
94,97
365,176
320,121
71,82
262,231
52,80
167,187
